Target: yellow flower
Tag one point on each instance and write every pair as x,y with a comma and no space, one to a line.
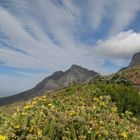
90,128
96,99
15,114
49,104
34,103
72,113
39,131
101,97
105,132
2,137
44,98
17,109
134,119
114,109
102,104
83,106
124,134
129,113
82,137
27,107
101,122
17,126
94,107
22,113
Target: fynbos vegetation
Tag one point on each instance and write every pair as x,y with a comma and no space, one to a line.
78,112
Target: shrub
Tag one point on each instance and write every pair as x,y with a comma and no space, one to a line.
69,117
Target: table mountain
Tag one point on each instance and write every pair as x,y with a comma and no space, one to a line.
58,80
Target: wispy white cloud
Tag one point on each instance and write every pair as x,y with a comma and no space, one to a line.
123,13
97,11
43,34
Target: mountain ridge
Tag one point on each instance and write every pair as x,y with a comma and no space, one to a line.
58,80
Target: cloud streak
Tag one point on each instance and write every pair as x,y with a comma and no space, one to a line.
47,34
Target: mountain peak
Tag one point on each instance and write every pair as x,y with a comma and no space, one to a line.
74,66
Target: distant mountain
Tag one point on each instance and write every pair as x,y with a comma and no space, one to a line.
58,80
133,70
135,60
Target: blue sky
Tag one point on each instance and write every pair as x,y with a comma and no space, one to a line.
39,37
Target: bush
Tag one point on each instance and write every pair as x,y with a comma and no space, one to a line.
126,97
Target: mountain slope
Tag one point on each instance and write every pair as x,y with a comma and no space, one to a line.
133,70
133,73
135,60
58,80
76,74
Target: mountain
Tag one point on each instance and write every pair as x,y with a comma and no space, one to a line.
133,70
58,80
76,74
135,60
133,73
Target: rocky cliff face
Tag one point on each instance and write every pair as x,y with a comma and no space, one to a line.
135,60
58,80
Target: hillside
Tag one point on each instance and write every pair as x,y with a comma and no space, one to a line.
85,111
135,60
132,72
58,80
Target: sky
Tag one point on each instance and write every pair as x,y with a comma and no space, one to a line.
39,37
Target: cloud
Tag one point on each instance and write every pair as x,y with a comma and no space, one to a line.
97,12
45,35
41,50
119,48
123,13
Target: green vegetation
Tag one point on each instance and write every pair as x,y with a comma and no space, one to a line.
91,111
116,78
127,98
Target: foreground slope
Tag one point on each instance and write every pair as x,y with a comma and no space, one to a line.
58,80
78,112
